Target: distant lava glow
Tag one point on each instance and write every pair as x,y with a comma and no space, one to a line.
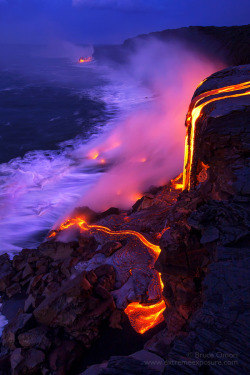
83,60
195,112
142,316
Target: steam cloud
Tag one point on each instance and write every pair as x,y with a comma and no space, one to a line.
144,147
147,147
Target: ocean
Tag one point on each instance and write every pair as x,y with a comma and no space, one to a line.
51,109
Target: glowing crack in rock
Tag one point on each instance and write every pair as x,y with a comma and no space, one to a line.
142,316
194,113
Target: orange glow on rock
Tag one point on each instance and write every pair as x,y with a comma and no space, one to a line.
136,196
194,113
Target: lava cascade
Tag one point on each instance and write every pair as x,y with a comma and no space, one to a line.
194,113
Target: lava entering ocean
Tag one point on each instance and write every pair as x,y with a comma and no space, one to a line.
85,59
142,316
194,113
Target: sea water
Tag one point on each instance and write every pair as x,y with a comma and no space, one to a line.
50,107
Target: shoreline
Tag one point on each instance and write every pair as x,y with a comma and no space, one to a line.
203,235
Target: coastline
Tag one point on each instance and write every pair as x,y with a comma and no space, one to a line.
74,290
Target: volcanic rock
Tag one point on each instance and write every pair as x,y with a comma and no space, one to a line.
26,361
219,224
12,329
13,290
78,306
6,272
110,247
35,337
57,250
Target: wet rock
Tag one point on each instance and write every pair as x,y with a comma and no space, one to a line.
16,358
30,364
6,272
35,337
49,312
62,357
78,306
116,319
12,329
13,290
57,250
19,262
27,272
87,246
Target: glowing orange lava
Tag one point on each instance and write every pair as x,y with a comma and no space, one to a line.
177,182
93,154
195,112
85,59
141,316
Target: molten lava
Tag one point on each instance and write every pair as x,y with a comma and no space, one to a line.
177,182
194,113
85,59
85,227
142,316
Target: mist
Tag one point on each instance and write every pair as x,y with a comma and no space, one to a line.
147,147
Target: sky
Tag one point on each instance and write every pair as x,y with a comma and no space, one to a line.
110,21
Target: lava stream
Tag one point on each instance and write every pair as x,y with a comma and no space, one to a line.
193,115
141,316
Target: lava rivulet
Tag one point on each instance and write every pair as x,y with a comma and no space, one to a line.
84,226
142,316
193,115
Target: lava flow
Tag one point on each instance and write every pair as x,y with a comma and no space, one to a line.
141,316
195,112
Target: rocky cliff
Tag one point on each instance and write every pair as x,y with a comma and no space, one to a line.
228,44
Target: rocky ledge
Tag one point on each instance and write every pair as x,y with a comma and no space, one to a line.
73,292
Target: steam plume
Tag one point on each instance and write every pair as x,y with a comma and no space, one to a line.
147,147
